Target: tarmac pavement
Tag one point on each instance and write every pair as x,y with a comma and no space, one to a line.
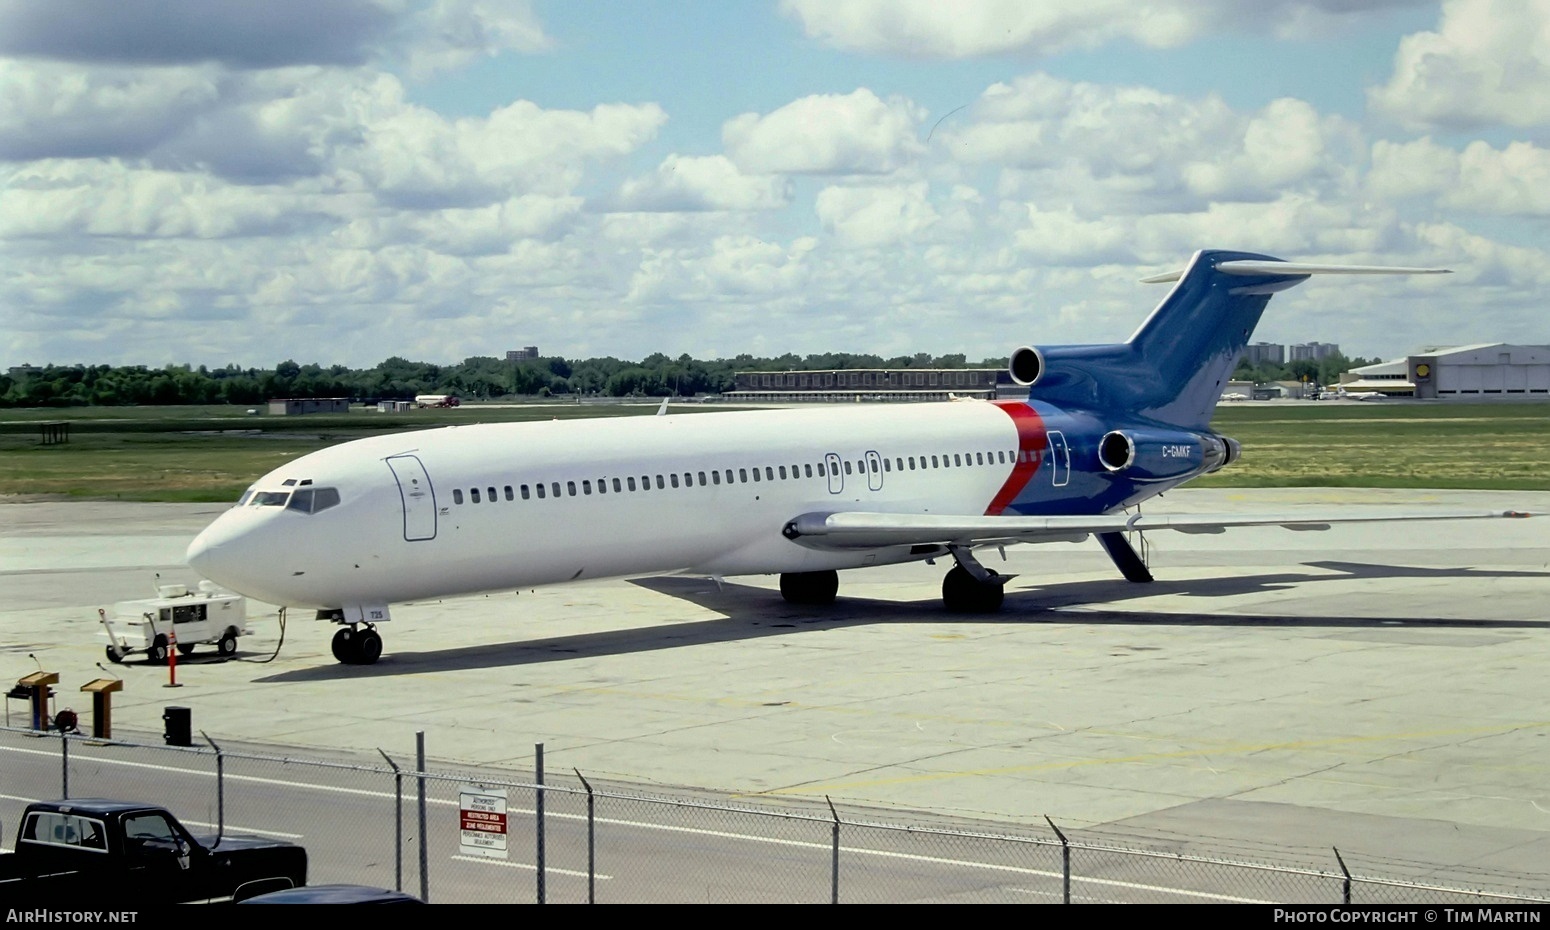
1380,688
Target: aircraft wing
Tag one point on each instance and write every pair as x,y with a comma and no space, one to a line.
860,530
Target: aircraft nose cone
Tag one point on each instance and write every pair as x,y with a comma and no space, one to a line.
216,554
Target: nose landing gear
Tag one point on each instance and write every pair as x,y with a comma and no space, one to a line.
357,644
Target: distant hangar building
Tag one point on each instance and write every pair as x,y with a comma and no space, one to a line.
1487,371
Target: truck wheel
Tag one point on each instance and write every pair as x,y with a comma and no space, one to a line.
113,655
185,650
228,643
158,651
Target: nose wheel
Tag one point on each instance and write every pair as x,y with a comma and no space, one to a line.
357,645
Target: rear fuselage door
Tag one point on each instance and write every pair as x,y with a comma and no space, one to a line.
831,462
1059,459
414,488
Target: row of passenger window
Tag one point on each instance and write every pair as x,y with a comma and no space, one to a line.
688,479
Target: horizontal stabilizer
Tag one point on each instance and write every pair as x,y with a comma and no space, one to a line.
871,530
1245,267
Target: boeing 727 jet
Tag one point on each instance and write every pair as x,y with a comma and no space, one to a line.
802,493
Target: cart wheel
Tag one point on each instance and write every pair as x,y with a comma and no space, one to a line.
113,655
185,650
228,643
158,651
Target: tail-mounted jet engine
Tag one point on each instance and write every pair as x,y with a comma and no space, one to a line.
1160,455
1026,366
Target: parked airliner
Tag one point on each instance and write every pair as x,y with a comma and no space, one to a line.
802,493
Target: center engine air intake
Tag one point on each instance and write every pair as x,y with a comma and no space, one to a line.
1160,455
1026,366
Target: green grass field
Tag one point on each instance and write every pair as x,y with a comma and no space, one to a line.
213,453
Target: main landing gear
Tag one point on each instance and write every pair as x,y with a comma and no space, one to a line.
809,587
969,588
357,644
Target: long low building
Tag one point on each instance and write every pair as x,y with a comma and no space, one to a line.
872,384
1486,371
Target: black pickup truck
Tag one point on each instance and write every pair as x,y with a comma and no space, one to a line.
124,854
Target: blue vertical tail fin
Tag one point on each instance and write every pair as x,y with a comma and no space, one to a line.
1173,369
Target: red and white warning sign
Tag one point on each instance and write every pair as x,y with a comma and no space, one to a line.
482,821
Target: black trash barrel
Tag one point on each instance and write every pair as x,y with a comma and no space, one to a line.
179,726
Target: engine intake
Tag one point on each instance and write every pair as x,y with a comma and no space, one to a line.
1026,366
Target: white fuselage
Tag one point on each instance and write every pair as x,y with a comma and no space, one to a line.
490,507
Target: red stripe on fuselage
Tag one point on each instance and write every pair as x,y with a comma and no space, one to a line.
1031,440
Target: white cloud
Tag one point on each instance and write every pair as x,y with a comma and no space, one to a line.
50,109
414,157
855,133
65,199
1512,181
450,34
870,216
1060,237
239,34
1281,146
1488,63
1104,150
688,184
971,28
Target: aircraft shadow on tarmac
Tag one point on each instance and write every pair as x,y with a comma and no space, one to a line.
751,613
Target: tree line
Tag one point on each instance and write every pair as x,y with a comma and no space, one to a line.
478,377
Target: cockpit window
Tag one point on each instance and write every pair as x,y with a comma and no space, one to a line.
313,500
270,498
241,501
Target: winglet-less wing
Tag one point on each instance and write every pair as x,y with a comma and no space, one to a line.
854,530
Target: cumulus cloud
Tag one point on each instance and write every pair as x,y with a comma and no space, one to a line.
1488,63
931,29
414,157
53,109
61,198
870,216
1511,181
1113,149
164,202
854,133
450,34
239,34
710,183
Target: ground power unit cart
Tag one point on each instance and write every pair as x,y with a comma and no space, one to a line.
209,615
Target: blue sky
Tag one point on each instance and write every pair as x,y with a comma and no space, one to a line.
340,181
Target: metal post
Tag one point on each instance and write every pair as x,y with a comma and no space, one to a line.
538,751
834,863
1065,861
1346,890
220,788
419,761
64,762
398,824
591,839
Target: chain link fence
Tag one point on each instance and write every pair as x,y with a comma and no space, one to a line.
399,823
